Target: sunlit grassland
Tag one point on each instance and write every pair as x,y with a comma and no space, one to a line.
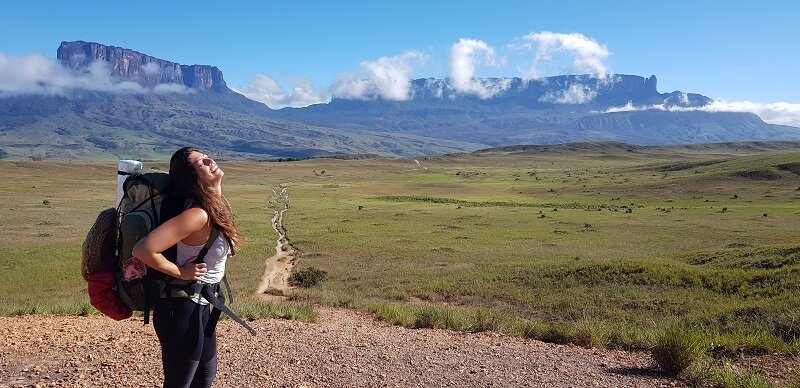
555,246
49,207
561,240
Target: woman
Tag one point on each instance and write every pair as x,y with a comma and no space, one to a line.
188,350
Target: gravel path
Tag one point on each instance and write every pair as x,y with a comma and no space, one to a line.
345,348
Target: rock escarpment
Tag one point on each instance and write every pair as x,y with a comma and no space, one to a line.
546,93
141,68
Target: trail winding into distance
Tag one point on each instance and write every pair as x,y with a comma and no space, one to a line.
278,268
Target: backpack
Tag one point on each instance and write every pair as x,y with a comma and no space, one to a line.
119,283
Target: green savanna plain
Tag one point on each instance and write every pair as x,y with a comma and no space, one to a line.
597,245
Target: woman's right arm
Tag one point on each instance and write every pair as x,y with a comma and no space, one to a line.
149,249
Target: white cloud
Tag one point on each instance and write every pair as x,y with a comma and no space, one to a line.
584,55
575,94
36,74
264,89
783,113
351,87
387,77
465,56
151,68
629,107
392,75
774,113
170,88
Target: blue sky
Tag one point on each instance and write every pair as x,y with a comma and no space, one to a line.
736,51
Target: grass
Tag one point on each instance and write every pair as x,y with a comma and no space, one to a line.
258,309
249,309
79,308
583,247
724,375
433,316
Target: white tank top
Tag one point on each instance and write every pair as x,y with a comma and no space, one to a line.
215,261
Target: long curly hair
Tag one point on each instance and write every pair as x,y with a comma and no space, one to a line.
184,182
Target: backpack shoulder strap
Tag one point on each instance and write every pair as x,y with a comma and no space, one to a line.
218,301
171,206
208,244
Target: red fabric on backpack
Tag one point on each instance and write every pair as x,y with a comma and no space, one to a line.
102,295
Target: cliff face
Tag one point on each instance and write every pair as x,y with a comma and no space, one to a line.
144,69
545,93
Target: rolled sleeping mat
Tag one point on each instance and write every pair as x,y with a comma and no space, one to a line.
124,169
98,248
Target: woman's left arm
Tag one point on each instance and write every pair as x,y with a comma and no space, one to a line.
149,249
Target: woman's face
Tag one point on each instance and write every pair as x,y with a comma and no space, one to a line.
206,168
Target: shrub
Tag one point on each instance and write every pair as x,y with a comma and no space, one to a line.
307,277
676,348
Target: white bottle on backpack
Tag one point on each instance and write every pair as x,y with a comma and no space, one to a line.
125,168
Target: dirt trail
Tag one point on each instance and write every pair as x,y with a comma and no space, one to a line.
419,165
278,268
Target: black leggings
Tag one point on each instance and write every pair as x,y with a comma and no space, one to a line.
188,356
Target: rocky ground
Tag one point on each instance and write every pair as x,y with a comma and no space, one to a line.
344,348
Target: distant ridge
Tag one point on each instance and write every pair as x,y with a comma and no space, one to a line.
546,92
551,110
744,147
574,146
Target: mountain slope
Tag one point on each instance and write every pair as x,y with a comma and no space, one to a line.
101,125
123,103
164,105
547,111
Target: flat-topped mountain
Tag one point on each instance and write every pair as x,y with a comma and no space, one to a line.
161,105
548,92
146,70
550,110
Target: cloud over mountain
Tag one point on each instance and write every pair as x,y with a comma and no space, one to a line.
465,56
264,89
783,113
151,68
574,94
389,77
36,74
584,55
386,77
